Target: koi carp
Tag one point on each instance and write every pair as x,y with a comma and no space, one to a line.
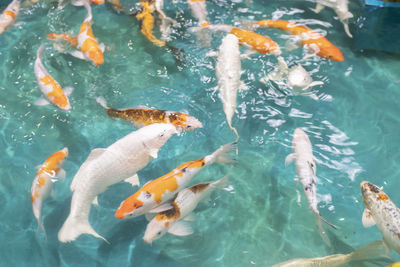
49,87
380,210
42,185
175,220
9,15
105,167
308,37
156,192
306,172
143,116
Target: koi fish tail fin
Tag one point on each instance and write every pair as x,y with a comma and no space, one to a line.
73,227
221,155
102,102
235,132
375,249
89,16
346,29
321,230
40,228
221,183
40,51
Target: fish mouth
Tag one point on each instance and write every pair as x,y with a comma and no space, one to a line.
365,185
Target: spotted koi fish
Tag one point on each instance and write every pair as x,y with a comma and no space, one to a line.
175,220
380,210
306,170
154,193
88,47
49,87
307,37
252,40
146,20
42,185
8,16
145,116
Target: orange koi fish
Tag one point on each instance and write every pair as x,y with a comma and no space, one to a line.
42,185
89,47
50,88
146,116
8,16
260,43
154,193
146,20
175,220
308,37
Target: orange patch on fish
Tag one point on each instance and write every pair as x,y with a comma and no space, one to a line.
130,204
199,187
57,95
166,224
258,42
205,24
41,181
32,198
37,194
171,214
9,13
383,197
70,39
50,166
97,2
196,164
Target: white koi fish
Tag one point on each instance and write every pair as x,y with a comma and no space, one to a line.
49,87
298,79
8,16
42,185
152,194
174,220
199,11
107,166
341,8
228,70
306,172
374,250
380,210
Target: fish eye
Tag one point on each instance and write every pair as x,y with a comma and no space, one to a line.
159,233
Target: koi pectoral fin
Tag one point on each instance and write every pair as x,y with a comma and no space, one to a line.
41,101
367,219
181,228
77,54
161,208
289,159
134,180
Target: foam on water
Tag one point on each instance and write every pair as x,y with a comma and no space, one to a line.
354,128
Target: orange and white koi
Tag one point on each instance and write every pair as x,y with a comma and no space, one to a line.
89,48
49,87
81,2
147,20
156,192
8,16
380,210
307,37
42,185
175,220
143,116
260,43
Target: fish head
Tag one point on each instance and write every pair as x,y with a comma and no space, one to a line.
130,208
372,194
156,228
96,56
191,123
300,138
330,52
298,77
158,134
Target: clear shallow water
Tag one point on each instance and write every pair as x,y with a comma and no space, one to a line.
353,127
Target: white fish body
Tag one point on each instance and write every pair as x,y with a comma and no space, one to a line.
105,167
8,16
372,250
175,220
306,173
341,8
298,78
199,10
228,70
380,210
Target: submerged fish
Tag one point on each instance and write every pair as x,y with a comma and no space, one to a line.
145,116
380,210
228,70
42,185
162,189
373,250
107,166
49,87
199,11
252,40
8,16
89,47
298,79
306,172
174,220
341,8
308,37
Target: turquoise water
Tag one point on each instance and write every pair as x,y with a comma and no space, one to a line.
354,128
